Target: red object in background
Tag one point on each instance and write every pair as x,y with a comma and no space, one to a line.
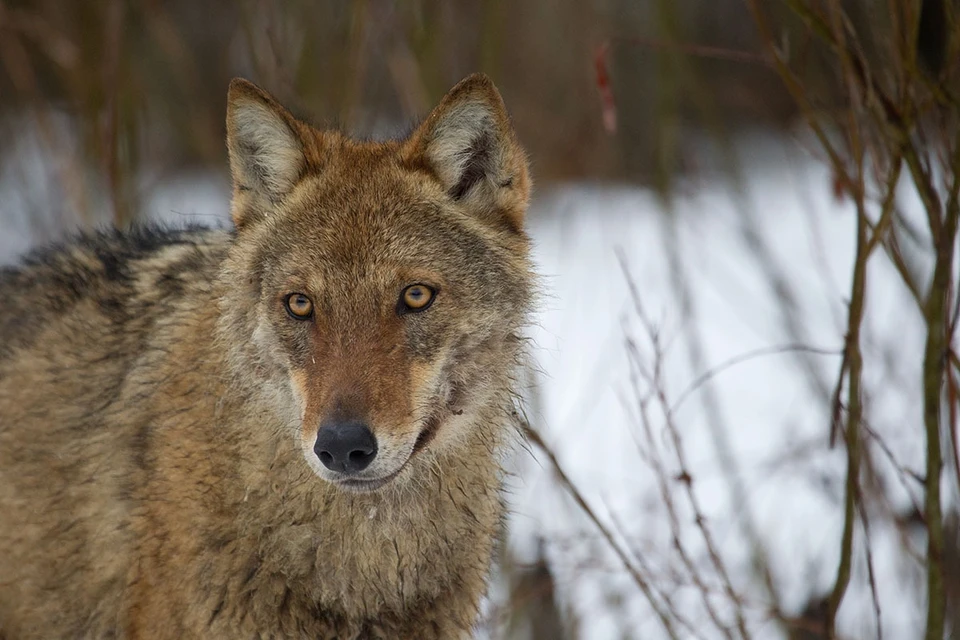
839,187
608,106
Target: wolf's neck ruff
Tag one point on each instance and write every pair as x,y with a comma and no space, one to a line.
290,430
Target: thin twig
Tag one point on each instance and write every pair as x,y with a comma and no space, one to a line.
871,576
934,368
854,415
760,352
698,50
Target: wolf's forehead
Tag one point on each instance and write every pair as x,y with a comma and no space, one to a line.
380,241
395,231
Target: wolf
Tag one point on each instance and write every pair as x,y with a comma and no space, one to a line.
293,428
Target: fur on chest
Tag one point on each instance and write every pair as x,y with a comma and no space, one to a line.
391,550
307,560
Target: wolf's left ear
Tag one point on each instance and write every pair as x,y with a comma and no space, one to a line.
267,155
471,148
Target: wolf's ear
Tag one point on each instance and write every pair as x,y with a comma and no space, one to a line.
467,142
266,149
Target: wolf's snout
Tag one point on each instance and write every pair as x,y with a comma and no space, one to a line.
347,447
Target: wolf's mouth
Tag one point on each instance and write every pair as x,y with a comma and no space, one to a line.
364,486
428,433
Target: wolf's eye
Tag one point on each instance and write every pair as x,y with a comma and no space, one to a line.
416,297
299,306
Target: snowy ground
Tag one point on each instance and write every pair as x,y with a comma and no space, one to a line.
770,413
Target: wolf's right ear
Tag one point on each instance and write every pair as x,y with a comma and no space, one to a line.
266,147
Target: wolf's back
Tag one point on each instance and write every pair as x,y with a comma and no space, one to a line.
76,322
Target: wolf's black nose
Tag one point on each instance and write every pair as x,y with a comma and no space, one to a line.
347,447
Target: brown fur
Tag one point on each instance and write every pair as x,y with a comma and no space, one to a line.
158,406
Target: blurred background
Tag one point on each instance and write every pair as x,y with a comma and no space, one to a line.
704,460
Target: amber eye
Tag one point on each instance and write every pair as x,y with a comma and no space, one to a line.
416,297
299,306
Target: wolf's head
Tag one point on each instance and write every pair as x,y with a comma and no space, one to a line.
375,290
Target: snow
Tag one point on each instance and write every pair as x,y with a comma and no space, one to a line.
771,414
